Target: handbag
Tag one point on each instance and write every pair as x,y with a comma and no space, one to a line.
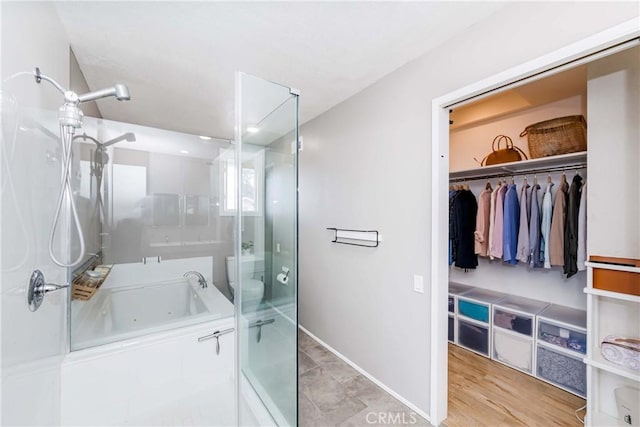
510,153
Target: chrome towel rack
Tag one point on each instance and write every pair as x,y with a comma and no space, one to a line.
356,237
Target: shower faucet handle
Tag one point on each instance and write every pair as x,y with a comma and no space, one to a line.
38,288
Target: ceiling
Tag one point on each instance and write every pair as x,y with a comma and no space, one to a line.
179,58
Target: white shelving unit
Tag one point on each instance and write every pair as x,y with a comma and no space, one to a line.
609,313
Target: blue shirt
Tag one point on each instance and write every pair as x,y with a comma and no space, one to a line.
511,225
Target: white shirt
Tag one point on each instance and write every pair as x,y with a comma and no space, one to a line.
547,211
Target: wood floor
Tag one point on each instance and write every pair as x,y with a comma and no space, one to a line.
486,393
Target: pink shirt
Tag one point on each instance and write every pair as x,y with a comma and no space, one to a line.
482,223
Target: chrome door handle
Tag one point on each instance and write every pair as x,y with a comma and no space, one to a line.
216,335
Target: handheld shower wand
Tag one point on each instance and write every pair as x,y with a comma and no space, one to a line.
70,117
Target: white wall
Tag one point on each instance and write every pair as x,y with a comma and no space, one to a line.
366,165
613,93
32,343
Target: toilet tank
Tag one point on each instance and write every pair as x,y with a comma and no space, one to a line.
248,267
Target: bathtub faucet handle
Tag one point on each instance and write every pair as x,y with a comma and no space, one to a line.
201,280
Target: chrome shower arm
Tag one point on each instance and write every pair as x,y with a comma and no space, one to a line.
39,77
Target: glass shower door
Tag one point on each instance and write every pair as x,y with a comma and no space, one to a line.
266,295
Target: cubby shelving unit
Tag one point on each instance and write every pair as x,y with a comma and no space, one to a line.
609,313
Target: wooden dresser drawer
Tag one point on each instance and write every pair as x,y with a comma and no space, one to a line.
625,282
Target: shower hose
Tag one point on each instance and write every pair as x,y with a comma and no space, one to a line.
66,193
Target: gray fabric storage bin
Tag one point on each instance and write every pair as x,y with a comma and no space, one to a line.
565,371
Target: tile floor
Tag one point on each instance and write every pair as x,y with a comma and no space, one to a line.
332,393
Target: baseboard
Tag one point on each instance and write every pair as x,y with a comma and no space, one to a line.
368,375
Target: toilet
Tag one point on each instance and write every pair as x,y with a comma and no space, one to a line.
252,289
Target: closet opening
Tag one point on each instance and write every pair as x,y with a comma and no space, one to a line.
515,314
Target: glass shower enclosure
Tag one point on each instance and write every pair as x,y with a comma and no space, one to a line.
265,166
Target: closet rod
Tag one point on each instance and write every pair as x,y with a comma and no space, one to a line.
520,172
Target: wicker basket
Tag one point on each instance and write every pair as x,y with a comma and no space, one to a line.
557,136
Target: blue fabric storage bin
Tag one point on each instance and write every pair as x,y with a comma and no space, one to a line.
451,304
474,311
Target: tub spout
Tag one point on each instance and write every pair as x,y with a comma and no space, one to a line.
201,280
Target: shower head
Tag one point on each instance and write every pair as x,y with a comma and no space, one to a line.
120,91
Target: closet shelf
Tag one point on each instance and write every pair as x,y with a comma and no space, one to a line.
599,362
614,295
571,160
601,419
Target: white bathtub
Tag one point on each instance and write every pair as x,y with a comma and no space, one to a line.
161,374
118,313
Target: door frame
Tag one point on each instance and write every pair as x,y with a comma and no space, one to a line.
582,51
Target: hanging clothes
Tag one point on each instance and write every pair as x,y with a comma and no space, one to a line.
523,232
582,229
482,223
534,231
556,237
497,237
492,217
528,203
452,195
465,211
547,211
570,267
511,225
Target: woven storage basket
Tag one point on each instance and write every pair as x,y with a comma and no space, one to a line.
557,136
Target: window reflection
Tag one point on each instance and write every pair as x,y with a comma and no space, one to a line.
252,179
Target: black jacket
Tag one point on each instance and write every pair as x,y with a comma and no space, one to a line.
571,228
463,226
